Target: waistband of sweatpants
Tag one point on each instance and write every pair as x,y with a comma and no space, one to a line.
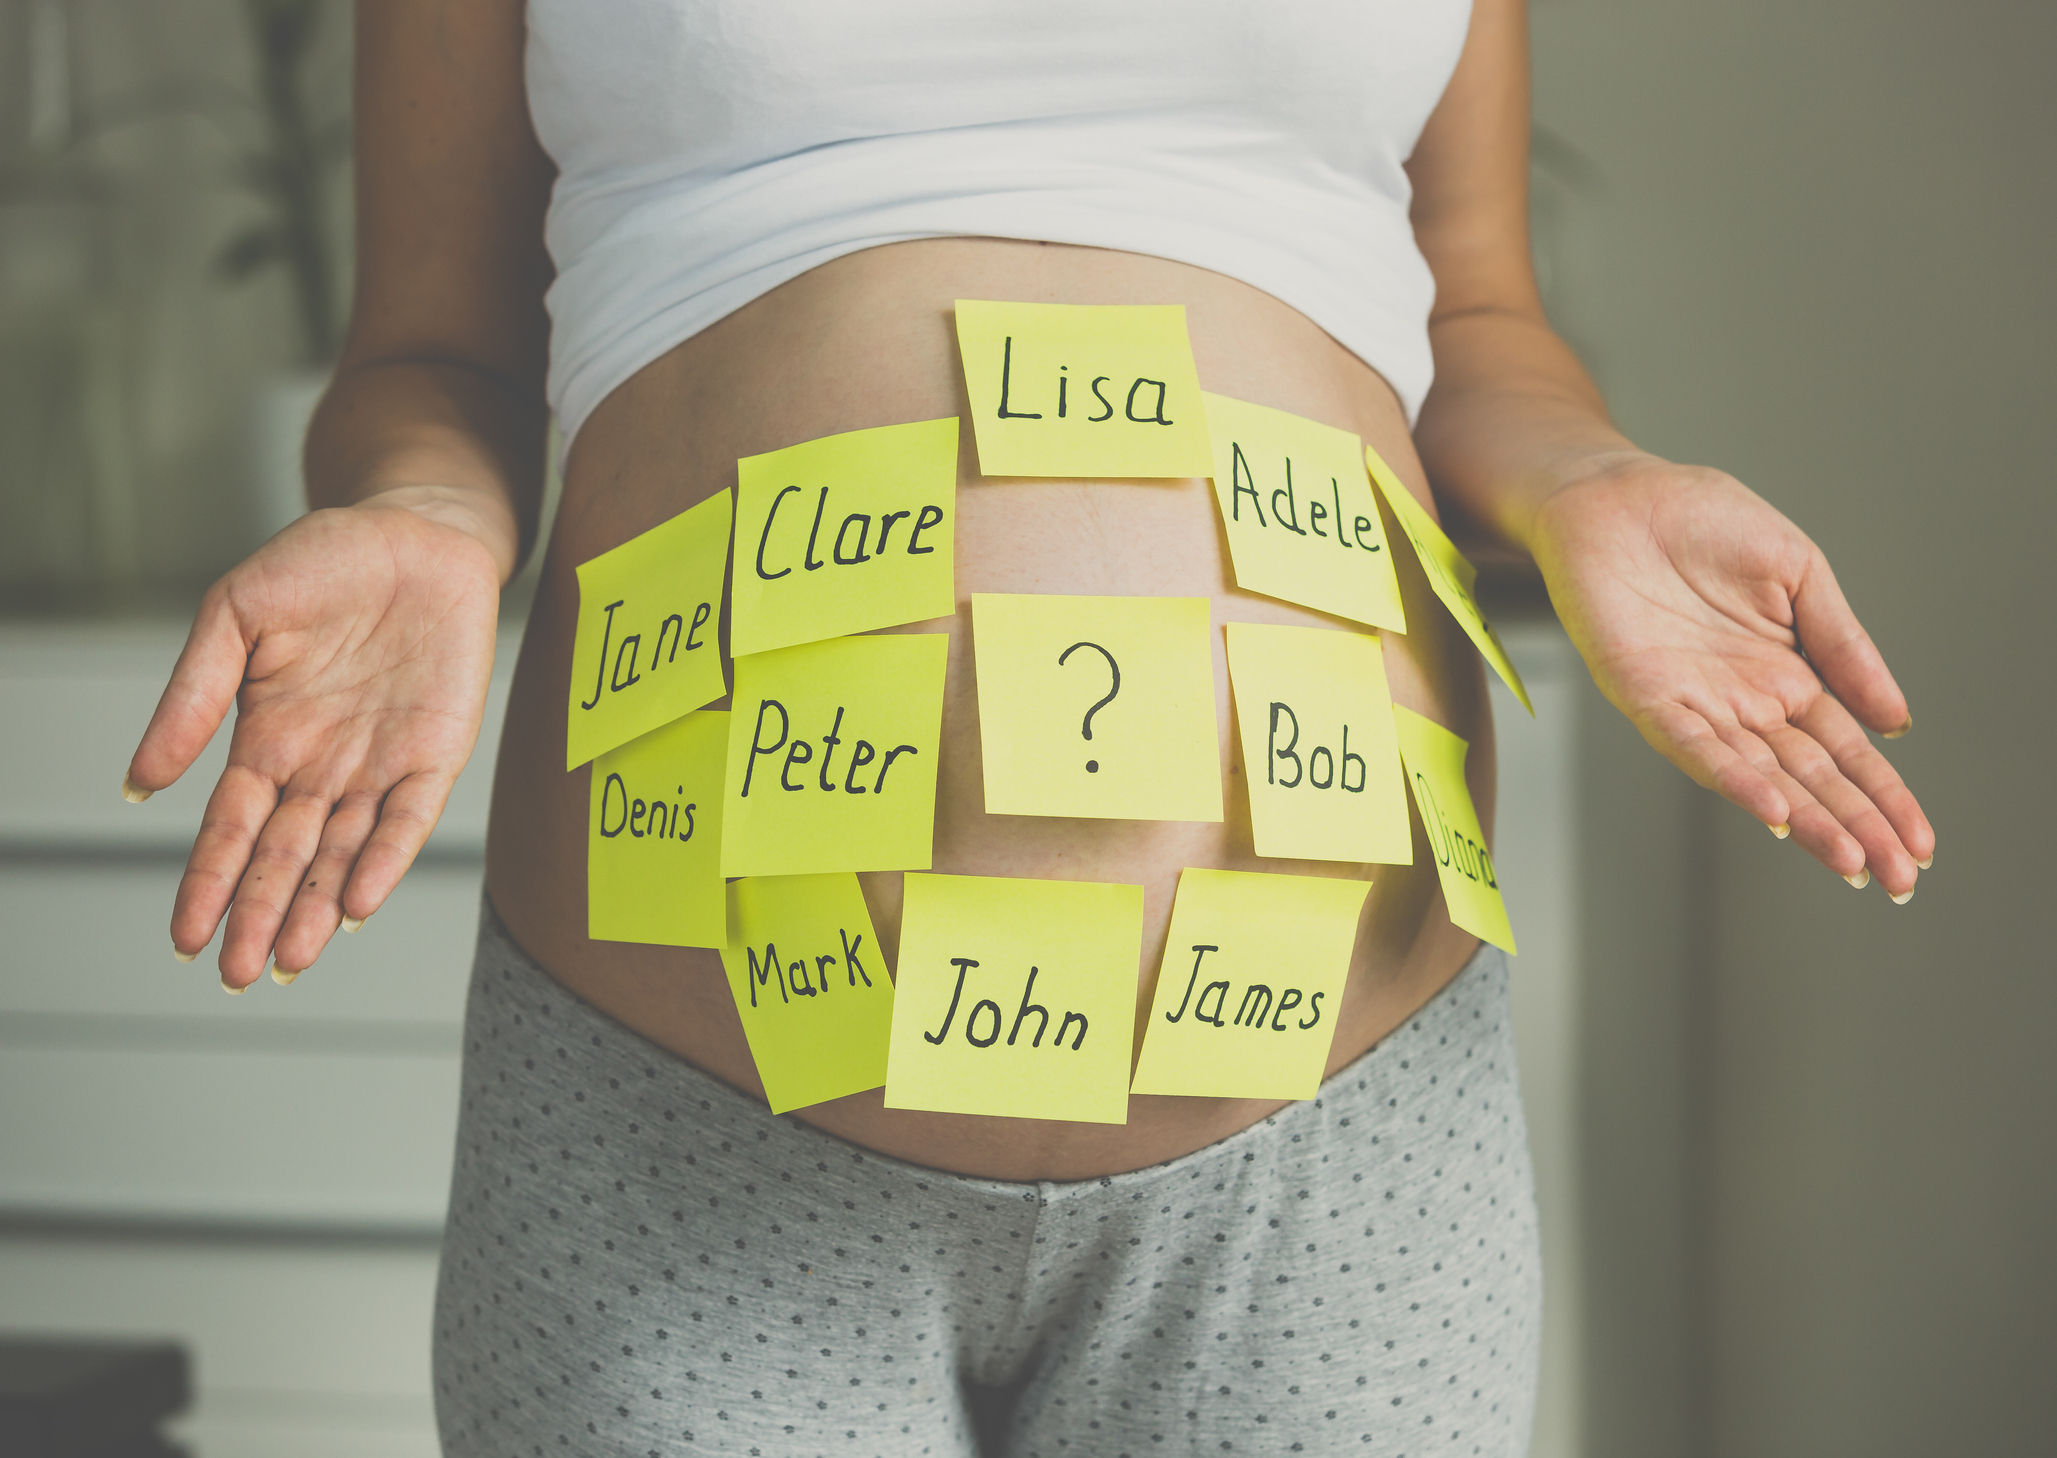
1357,1089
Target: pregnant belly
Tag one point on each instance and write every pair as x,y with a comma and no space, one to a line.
866,341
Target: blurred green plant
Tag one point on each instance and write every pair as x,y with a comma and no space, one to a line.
289,172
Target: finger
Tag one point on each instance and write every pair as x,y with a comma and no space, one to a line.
1807,761
410,812
242,802
1843,653
265,893
1813,827
1859,760
1825,838
317,906
202,688
1690,742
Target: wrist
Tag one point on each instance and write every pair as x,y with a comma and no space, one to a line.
1566,480
486,521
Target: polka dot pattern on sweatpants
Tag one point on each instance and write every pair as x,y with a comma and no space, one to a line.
641,1261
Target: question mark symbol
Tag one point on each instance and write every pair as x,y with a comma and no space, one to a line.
1086,727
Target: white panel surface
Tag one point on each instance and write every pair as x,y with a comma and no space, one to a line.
302,1350
74,700
308,1139
87,937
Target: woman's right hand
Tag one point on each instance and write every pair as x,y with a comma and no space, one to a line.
356,646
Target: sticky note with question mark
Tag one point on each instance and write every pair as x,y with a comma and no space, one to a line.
1102,707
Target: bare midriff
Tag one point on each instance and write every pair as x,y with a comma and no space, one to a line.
868,340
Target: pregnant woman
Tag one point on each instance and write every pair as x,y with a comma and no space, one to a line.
698,230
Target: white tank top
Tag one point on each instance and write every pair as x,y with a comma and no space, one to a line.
710,150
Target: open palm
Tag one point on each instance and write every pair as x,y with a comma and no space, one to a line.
356,646
1716,626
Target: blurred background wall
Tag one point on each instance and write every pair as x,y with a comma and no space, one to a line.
1793,1139
1816,251
145,292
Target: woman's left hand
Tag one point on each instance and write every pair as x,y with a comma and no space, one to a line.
1716,626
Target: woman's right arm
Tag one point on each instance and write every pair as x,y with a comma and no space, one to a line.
357,644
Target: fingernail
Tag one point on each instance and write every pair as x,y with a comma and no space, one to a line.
1896,733
132,792
1927,863
1861,879
352,923
178,956
232,990
282,977
1904,897
1781,830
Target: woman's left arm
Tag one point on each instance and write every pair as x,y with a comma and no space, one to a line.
1705,616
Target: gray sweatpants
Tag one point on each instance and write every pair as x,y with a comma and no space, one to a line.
642,1261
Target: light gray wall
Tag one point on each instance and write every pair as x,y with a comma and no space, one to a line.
1820,256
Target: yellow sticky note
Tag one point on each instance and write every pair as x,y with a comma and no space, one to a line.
844,534
646,651
1247,994
1319,753
832,757
1435,771
810,985
1448,573
1081,390
1297,508
653,837
1016,997
1097,706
